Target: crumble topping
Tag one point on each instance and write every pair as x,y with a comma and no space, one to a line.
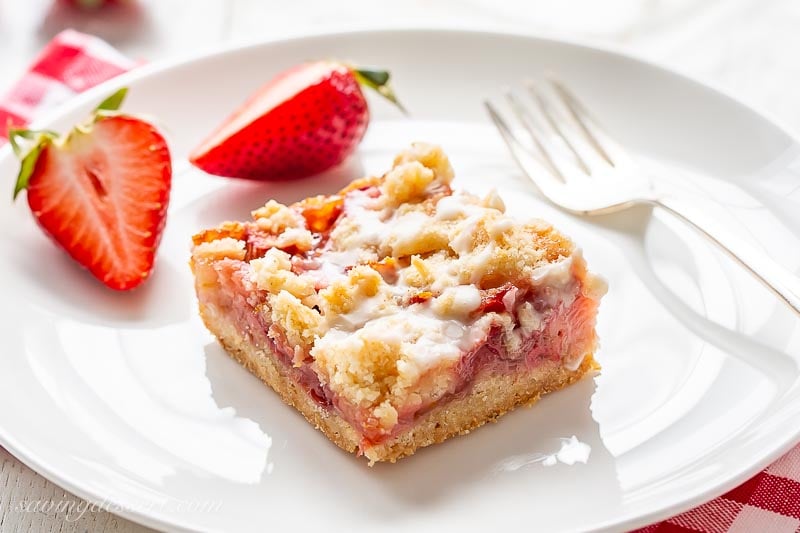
386,281
275,217
221,249
273,274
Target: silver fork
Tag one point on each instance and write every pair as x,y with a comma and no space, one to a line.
580,168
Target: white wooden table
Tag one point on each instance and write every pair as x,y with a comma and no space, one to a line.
747,47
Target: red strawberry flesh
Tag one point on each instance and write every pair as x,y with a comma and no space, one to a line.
102,195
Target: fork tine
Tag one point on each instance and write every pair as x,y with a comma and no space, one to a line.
534,132
542,177
606,146
550,116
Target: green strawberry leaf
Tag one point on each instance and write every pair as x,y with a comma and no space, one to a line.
113,102
18,135
27,168
374,77
378,81
12,140
38,140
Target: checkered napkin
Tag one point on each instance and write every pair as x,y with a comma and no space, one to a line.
768,502
74,62
71,63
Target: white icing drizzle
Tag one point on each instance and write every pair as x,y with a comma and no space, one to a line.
558,274
425,338
367,227
405,230
458,301
462,243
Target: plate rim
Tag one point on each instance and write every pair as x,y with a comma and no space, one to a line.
586,43
159,519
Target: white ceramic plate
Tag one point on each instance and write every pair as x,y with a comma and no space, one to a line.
126,399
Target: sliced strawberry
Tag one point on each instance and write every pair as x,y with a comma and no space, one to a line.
101,193
305,121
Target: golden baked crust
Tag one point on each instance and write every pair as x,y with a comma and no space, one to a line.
491,396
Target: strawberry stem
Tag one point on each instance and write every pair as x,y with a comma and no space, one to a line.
89,4
378,81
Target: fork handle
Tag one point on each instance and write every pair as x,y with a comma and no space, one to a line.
780,280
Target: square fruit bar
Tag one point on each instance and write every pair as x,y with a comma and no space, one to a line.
398,312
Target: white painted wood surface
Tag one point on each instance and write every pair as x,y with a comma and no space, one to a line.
746,47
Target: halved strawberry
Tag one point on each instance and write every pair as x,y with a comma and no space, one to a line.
100,192
306,120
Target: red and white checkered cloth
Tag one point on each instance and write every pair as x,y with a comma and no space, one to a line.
71,63
74,62
768,502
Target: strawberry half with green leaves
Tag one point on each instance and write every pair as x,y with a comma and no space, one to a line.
306,120
100,192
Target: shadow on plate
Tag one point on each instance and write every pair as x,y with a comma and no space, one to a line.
518,446
71,291
513,447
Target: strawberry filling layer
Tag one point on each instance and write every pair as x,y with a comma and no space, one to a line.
562,331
